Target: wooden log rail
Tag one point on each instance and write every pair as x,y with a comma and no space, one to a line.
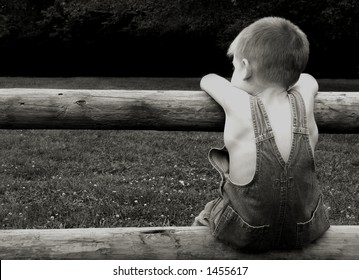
339,242
335,112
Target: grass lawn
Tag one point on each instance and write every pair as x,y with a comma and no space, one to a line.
82,178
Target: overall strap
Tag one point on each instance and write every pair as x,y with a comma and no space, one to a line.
299,113
262,127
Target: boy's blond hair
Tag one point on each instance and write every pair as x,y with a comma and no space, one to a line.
277,49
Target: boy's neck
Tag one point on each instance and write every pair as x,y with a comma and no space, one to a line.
264,90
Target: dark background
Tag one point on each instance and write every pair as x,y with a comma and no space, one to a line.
163,37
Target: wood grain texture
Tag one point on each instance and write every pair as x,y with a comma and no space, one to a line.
335,112
339,242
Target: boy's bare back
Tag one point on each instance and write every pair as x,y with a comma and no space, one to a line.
239,136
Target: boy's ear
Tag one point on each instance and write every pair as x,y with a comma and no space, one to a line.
247,73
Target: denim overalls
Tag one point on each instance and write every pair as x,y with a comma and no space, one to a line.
282,207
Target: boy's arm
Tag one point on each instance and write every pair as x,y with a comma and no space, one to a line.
215,86
308,87
220,89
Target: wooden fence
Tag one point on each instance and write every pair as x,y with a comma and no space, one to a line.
335,112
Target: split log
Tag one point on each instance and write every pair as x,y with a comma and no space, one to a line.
335,112
339,242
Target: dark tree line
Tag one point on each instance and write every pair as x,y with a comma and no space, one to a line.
163,37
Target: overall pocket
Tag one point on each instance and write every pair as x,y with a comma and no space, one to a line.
312,229
232,229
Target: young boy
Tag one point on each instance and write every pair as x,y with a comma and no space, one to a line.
269,197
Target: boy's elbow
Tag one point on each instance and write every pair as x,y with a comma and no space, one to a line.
307,83
210,76
309,80
206,81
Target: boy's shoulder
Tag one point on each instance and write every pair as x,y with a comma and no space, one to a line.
307,87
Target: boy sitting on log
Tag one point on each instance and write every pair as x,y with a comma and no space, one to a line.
269,198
